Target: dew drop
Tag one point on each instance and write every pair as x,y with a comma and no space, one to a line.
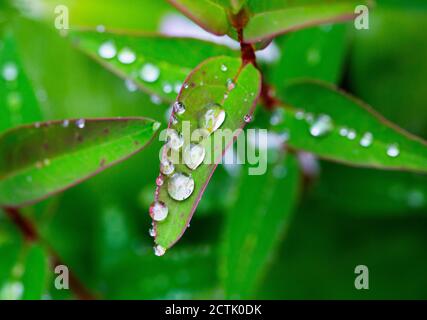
321,126
80,123
37,125
107,50
65,123
155,99
309,118
230,84
247,118
367,140
224,68
167,88
166,167
299,115
174,140
351,135
393,150
126,56
212,119
343,132
178,108
149,73
186,85
277,117
158,211
152,232
156,125
131,85
10,71
177,87
100,28
180,186
193,155
159,250
160,180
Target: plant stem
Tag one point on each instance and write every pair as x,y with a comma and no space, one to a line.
30,234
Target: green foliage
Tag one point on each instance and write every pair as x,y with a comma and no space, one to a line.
296,231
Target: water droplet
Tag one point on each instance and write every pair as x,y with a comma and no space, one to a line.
177,87
155,99
100,28
149,73
174,140
299,115
10,71
178,108
186,85
174,120
277,117
367,140
152,232
127,56
224,68
193,155
158,211
131,85
393,150
212,119
156,125
166,167
180,186
159,250
167,88
37,125
321,126
65,123
80,123
107,50
225,96
343,132
247,118
351,135
309,117
160,180
230,84
280,171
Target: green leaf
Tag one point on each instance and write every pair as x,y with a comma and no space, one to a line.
207,85
18,103
170,60
208,14
278,17
256,223
337,127
35,274
42,159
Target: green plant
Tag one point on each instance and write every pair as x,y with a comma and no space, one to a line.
297,101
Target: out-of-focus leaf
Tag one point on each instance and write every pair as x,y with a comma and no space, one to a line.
209,15
337,127
255,224
370,192
45,158
208,87
278,17
18,103
315,53
35,272
160,64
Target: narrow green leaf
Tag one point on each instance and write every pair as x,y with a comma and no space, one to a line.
160,64
337,127
210,15
256,223
18,103
39,160
285,16
207,86
34,279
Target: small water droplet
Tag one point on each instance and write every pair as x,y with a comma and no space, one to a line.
193,155
80,123
343,132
37,125
351,135
167,88
159,250
230,84
178,108
177,87
213,118
152,232
65,123
393,150
225,96
247,118
158,211
150,73
309,117
174,140
277,117
156,125
180,186
127,56
166,167
224,68
186,85
367,140
160,180
299,115
174,120
155,99
10,71
131,85
107,50
100,28
321,126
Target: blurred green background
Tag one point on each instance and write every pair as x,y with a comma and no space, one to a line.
346,216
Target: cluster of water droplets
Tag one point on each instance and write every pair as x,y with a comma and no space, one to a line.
10,74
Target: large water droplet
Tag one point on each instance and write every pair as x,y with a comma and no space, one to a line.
180,186
159,250
149,73
193,155
166,167
367,140
393,150
10,71
212,119
343,132
174,140
321,126
158,211
127,56
107,50
80,123
178,108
